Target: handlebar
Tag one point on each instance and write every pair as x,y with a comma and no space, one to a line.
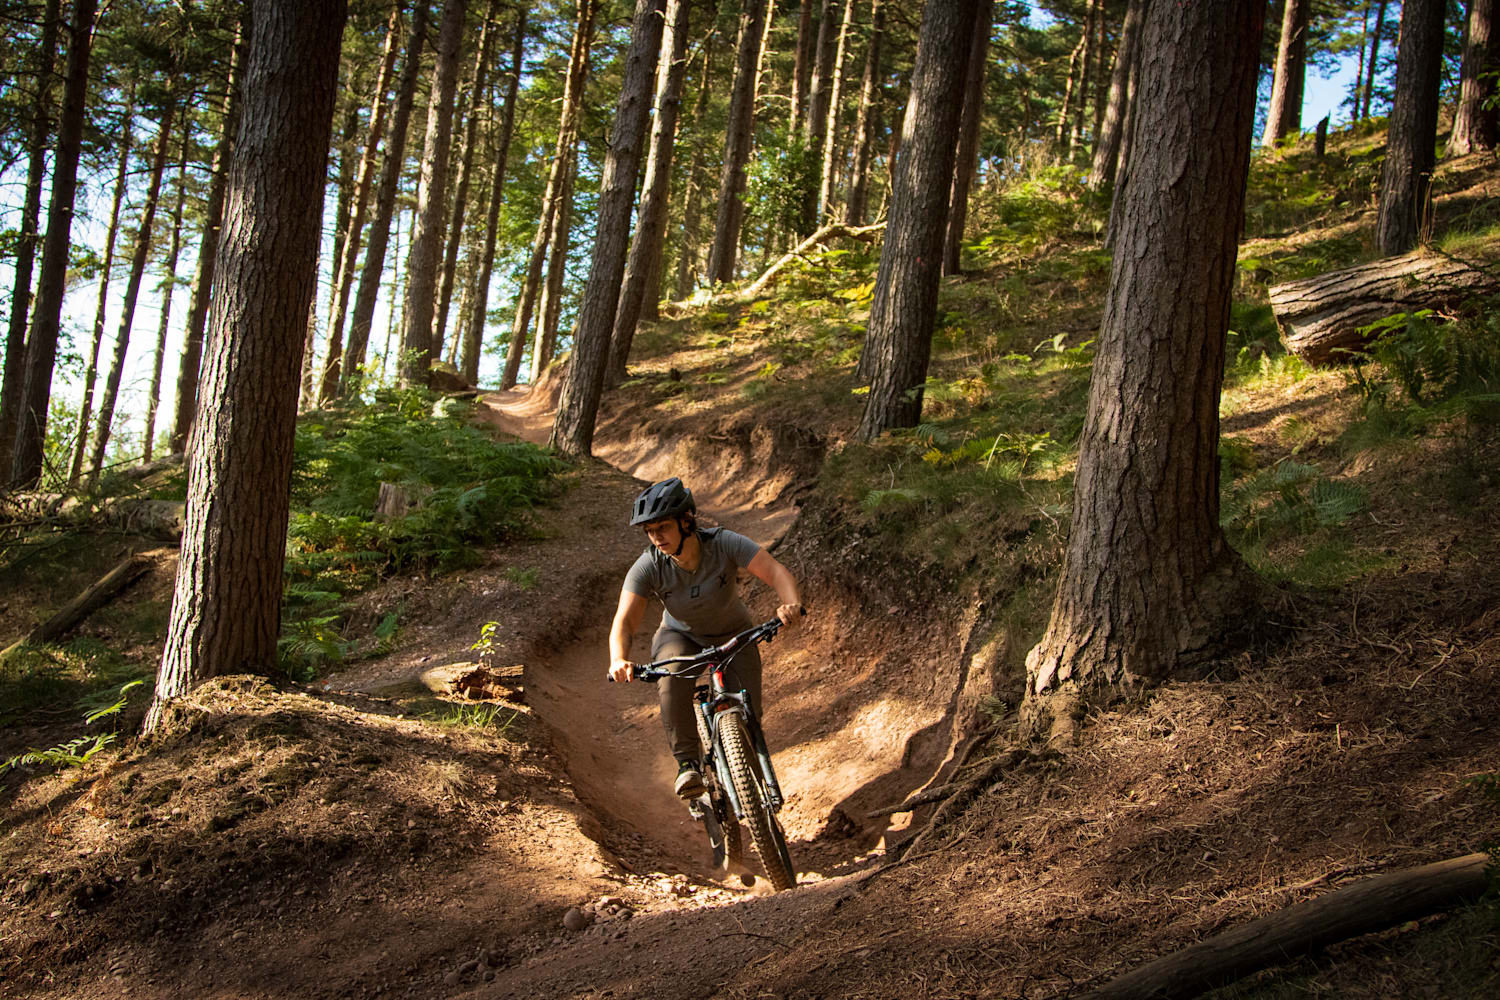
722,653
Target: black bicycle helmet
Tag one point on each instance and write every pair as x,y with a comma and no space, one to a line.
668,498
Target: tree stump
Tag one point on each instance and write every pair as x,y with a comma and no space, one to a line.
1324,316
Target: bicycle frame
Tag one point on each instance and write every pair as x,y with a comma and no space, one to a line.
714,699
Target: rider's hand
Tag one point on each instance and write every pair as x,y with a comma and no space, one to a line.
789,614
620,670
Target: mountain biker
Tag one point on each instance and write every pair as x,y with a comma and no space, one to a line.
692,572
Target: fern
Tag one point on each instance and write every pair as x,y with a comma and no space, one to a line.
74,753
877,500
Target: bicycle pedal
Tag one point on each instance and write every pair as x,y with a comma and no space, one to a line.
698,807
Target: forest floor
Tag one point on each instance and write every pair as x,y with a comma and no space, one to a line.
372,835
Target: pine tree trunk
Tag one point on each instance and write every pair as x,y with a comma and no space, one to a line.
91,373
465,169
1370,69
168,286
1406,181
723,253
651,224
966,159
868,121
1122,158
567,137
343,187
904,305
1093,31
1476,123
1284,117
27,237
432,200
544,344
1078,61
819,103
688,247
41,345
359,200
1148,581
139,253
226,612
831,132
1106,153
468,363
208,251
802,68
578,406
363,315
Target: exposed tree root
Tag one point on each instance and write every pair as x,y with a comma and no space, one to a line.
1361,908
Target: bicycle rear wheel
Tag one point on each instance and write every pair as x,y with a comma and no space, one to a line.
729,827
765,832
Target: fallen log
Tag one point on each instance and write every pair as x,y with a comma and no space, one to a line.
832,231
1323,316
160,519
104,590
1367,906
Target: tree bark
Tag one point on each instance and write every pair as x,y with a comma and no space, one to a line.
41,346
1374,59
465,168
687,255
802,67
904,306
651,222
723,253
1406,181
138,255
1093,32
168,287
1324,317
544,345
966,159
1476,127
226,611
831,129
1106,152
468,363
1148,581
819,103
28,236
1284,117
1362,908
359,199
432,201
91,373
578,406
567,138
351,370
208,251
867,122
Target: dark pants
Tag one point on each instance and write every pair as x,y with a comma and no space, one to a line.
677,706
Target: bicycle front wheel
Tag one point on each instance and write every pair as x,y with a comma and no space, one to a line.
729,828
765,832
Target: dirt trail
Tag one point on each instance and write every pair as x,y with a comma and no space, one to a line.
823,724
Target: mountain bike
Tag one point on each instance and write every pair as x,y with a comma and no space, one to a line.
740,782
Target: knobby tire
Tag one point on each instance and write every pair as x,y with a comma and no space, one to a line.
734,848
765,833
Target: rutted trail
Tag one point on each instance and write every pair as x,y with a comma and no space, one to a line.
832,700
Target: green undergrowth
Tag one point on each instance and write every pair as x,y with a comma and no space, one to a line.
464,489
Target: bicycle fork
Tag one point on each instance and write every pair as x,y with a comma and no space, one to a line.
762,753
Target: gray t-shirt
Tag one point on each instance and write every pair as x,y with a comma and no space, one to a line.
704,604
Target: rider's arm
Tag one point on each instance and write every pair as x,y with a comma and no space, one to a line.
628,617
765,568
